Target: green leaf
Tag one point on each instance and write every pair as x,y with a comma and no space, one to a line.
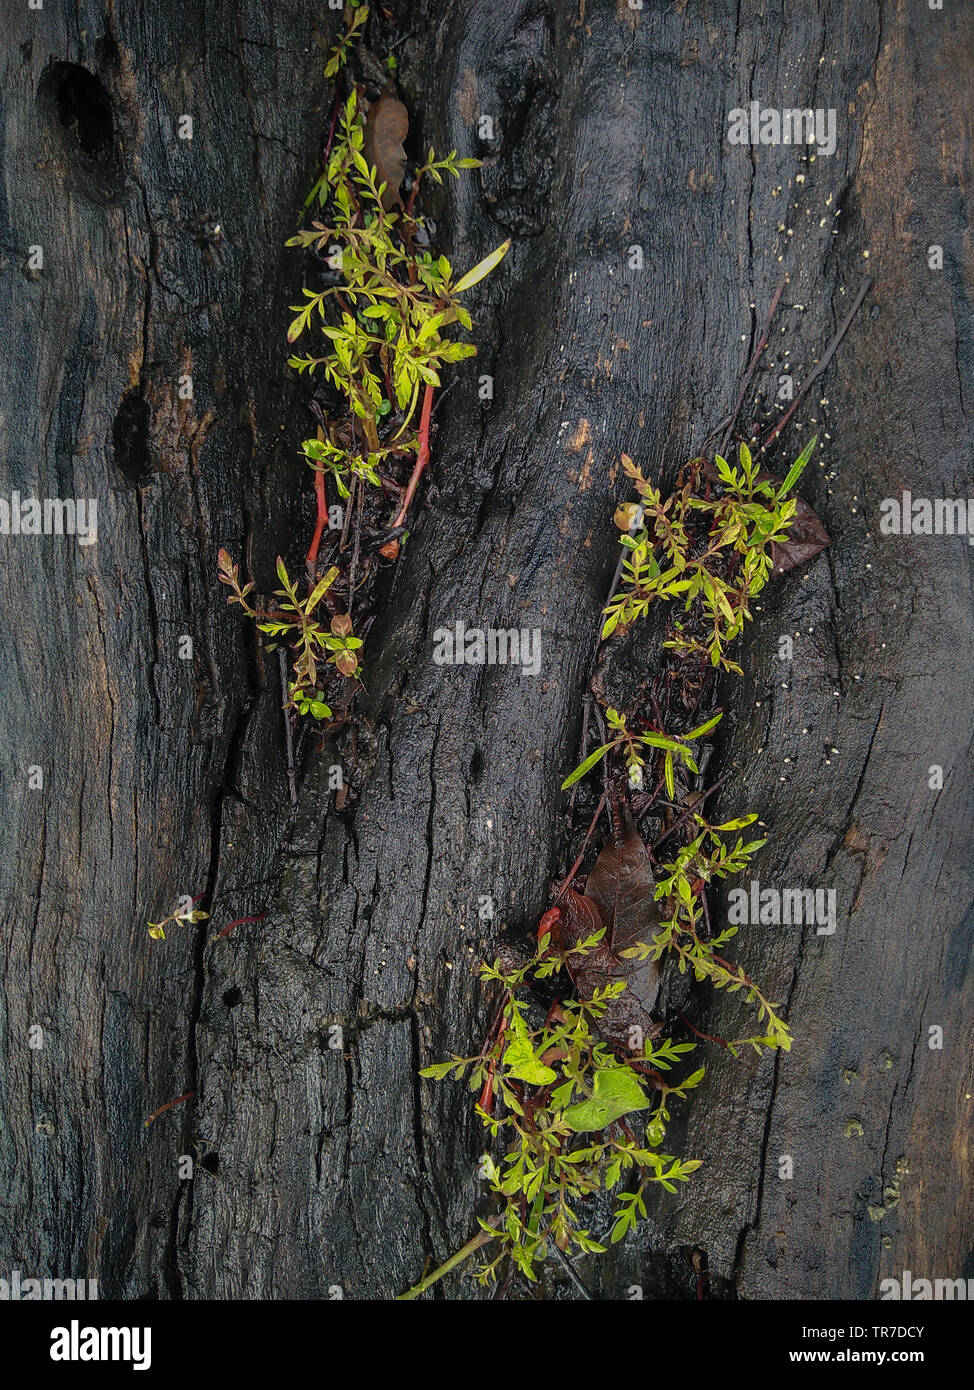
562,1095
655,740
724,469
429,327
612,1172
797,468
737,824
456,352
321,588
437,1071
702,729
482,268
521,1062
586,766
616,1092
611,623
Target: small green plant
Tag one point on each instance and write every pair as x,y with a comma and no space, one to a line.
571,1104
395,302
187,917
570,1111
294,620
385,324
742,519
631,747
353,33
572,1101
685,931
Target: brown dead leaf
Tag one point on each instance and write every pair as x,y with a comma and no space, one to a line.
619,897
386,127
806,537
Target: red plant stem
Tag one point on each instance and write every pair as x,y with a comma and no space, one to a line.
238,923
187,1095
497,1029
821,365
321,502
653,1075
706,1037
422,458
755,358
331,129
581,853
486,1100
391,549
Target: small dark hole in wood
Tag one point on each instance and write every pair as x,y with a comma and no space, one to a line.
232,997
130,437
211,1163
84,107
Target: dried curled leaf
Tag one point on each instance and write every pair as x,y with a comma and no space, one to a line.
386,127
806,537
806,534
619,897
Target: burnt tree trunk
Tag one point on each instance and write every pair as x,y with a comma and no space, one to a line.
165,774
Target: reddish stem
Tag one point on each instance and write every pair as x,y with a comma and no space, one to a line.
581,853
706,1037
331,129
321,502
187,1095
391,549
486,1101
653,1075
238,923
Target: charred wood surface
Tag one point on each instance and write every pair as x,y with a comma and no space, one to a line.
163,259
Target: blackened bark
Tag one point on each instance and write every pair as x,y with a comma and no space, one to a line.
323,1166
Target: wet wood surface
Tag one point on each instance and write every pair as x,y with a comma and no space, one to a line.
320,1166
